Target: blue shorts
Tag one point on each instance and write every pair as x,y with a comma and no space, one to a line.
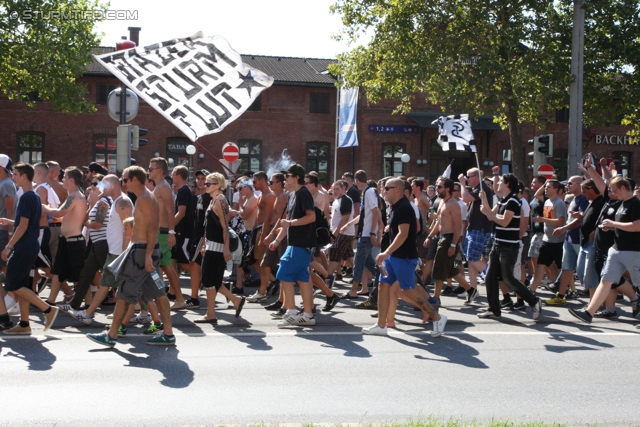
402,270
474,244
294,265
570,253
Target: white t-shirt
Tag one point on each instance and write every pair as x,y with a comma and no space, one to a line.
337,215
370,202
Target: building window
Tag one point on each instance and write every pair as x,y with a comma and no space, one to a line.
391,154
318,157
250,155
177,152
319,103
30,147
624,163
102,92
562,115
104,151
256,105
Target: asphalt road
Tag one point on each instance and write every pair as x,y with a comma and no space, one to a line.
247,371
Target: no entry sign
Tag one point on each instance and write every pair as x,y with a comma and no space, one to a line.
230,152
546,170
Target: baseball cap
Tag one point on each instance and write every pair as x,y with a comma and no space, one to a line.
7,163
204,172
296,169
97,168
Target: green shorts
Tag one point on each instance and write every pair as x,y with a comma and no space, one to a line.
163,239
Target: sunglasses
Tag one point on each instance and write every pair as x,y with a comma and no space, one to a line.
308,183
125,180
440,186
209,184
388,188
95,184
152,169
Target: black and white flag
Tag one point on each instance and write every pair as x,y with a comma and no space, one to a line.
455,133
198,83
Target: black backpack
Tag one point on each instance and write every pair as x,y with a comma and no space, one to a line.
323,231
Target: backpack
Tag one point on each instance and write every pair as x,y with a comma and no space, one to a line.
323,232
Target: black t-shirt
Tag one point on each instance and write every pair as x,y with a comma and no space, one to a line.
537,210
403,213
477,220
303,236
354,194
186,225
30,207
590,219
628,211
201,203
605,239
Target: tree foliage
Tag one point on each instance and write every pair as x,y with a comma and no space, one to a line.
45,45
510,58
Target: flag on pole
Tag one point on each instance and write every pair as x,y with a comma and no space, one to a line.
455,133
447,171
347,129
199,84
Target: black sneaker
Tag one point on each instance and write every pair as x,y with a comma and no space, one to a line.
273,288
193,303
274,307
519,305
582,315
237,291
606,314
459,290
506,303
369,304
171,297
6,325
348,272
448,291
331,302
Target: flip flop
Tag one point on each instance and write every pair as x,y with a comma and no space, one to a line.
366,293
239,309
205,320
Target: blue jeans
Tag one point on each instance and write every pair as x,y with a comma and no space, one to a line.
501,261
586,269
364,258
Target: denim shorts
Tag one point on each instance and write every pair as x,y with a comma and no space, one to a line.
401,270
534,246
294,265
570,253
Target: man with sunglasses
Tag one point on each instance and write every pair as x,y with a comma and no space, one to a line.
398,262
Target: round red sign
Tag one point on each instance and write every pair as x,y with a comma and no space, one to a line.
230,152
546,170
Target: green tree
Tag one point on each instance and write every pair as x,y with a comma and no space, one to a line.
503,57
45,45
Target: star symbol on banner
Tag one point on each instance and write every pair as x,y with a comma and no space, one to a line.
248,82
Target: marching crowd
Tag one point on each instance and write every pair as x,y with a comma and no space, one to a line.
99,238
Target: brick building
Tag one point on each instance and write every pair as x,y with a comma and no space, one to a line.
297,117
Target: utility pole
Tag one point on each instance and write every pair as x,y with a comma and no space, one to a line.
575,94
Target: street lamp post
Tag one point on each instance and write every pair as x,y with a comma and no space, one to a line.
191,150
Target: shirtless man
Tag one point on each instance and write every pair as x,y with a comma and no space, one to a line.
449,225
248,211
137,275
265,221
44,190
69,259
271,260
158,169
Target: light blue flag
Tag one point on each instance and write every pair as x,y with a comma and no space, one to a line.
347,129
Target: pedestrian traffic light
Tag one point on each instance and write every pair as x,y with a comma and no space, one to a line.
535,155
136,133
545,145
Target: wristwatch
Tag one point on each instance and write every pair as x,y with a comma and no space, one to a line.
452,245
172,231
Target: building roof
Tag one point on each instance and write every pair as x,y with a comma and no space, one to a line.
296,71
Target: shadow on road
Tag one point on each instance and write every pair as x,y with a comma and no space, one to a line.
31,350
452,350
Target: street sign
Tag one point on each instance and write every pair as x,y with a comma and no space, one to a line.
546,170
113,104
230,152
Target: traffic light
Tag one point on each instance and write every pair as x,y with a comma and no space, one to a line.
136,133
123,147
545,145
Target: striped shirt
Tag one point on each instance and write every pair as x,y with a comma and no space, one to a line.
98,234
511,233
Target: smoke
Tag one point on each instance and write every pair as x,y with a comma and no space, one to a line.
273,166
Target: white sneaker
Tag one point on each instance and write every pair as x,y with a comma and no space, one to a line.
257,297
375,330
438,326
81,316
65,307
14,310
9,302
141,318
296,320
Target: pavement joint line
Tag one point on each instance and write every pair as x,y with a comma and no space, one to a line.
318,333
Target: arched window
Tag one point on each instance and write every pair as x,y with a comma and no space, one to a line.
391,154
30,147
318,158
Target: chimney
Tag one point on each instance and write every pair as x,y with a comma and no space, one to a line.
134,35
